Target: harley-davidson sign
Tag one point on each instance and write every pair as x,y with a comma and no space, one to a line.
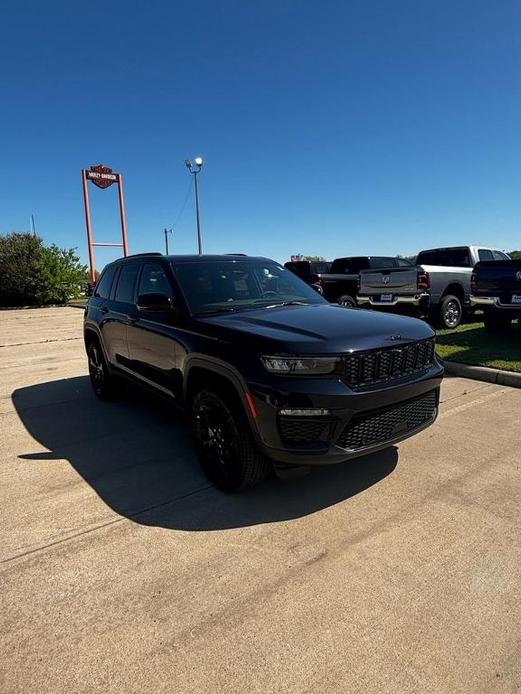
102,176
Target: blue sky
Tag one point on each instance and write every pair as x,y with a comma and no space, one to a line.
327,128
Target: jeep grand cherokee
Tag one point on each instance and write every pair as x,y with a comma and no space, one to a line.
270,372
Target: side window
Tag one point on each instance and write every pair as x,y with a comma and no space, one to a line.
485,254
403,262
499,255
126,284
154,279
105,283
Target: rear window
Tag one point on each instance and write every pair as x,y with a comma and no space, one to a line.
485,254
447,257
105,283
126,284
348,266
377,263
300,268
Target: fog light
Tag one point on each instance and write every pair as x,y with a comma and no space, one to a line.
307,412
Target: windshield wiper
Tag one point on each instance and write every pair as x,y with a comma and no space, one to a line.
288,303
221,309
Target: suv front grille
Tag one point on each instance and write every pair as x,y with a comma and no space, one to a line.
379,426
390,363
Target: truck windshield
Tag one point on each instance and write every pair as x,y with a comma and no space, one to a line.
215,286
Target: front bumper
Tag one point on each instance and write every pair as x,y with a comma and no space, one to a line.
492,302
419,300
346,406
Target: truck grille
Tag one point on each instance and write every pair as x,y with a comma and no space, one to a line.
376,427
390,363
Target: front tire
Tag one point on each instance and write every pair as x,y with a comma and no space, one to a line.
224,444
346,301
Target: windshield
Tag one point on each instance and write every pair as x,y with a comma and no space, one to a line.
215,286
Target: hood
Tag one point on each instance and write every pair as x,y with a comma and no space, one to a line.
321,328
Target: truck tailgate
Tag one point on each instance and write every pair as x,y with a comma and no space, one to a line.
396,281
498,276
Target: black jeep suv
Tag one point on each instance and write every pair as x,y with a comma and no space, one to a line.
270,372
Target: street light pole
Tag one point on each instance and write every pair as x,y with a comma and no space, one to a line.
194,168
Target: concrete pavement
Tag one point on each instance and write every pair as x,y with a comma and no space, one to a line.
123,571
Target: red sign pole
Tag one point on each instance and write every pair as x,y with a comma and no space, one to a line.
103,177
122,215
88,224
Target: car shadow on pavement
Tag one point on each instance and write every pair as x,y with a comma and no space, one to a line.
137,456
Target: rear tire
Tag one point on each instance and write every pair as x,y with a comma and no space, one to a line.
103,383
497,322
224,444
347,301
450,312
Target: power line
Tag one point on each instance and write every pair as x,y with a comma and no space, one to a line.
188,190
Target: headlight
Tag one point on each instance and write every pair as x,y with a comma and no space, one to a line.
300,365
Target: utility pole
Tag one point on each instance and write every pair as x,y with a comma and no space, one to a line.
194,168
33,226
166,232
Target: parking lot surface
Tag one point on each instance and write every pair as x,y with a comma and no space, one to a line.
123,571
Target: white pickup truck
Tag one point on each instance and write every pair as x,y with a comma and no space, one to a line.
439,284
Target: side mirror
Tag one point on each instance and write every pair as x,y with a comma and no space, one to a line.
154,301
317,288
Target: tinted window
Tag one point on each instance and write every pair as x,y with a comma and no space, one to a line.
498,255
485,254
154,279
213,286
105,283
321,268
403,262
448,257
126,284
378,263
301,268
348,266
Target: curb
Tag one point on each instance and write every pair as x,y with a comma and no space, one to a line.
484,373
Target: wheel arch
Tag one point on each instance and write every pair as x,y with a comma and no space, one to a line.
201,372
455,289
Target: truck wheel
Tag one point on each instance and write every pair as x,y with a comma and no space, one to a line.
497,322
450,312
103,383
224,444
346,301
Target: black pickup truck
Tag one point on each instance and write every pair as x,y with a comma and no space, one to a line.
271,374
496,288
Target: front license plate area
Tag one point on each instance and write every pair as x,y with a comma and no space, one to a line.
387,298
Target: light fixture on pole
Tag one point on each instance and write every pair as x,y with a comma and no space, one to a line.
194,168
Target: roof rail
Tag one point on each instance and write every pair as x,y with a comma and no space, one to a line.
138,255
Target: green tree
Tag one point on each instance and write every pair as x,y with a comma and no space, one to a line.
515,255
315,258
31,273
20,254
63,276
